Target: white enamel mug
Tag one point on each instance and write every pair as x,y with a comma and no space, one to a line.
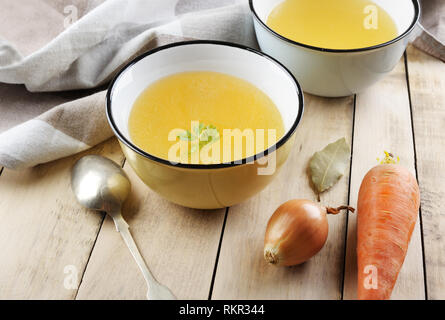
336,73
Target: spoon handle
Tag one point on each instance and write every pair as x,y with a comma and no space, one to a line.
155,290
123,229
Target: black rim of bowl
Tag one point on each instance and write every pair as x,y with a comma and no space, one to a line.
410,28
247,160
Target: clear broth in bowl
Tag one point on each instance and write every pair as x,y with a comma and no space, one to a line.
204,117
333,24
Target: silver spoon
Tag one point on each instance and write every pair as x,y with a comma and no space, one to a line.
100,184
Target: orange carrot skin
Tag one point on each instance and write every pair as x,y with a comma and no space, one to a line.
387,210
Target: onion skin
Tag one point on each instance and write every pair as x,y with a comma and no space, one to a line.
297,230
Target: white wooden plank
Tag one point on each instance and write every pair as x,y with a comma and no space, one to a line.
427,87
44,230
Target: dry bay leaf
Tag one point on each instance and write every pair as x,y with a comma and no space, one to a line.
329,165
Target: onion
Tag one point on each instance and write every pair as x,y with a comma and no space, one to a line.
297,230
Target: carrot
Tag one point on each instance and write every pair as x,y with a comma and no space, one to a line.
387,209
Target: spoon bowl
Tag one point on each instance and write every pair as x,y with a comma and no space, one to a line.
99,183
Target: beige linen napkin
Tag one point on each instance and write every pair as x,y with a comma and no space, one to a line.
56,46
432,39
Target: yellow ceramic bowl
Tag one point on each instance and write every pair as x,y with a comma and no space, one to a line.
198,185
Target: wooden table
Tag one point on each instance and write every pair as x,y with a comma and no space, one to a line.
51,248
